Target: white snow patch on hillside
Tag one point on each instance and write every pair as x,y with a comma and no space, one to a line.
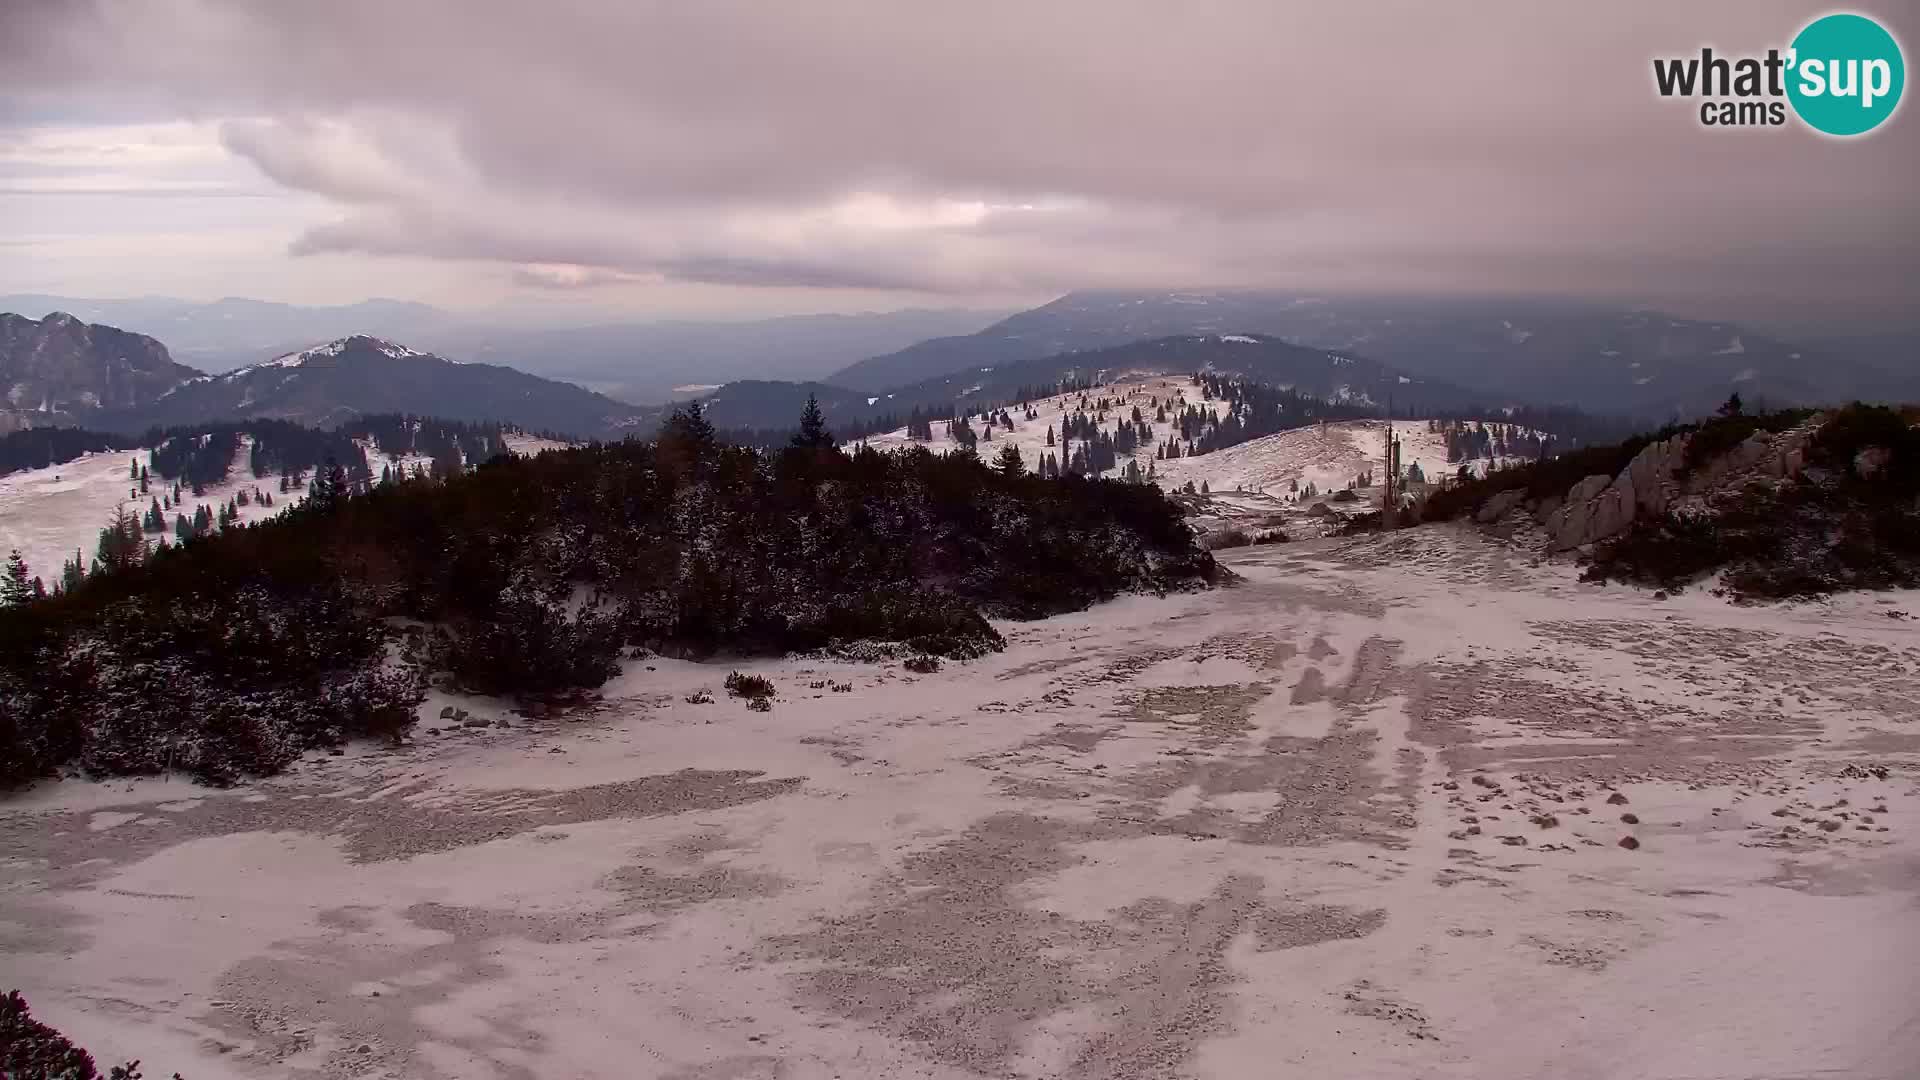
1240,339
1734,347
1328,456
49,513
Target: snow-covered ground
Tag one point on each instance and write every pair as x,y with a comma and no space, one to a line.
1328,456
49,513
1360,815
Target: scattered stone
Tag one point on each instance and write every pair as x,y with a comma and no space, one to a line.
475,722
1629,843
1514,841
446,712
1616,799
1630,819
1830,826
1545,821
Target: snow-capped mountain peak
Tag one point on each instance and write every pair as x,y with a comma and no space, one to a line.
331,349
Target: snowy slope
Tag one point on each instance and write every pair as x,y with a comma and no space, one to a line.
1327,456
49,513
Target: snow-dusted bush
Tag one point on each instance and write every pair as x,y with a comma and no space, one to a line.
30,1050
752,687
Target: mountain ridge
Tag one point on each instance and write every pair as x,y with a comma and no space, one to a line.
361,375
1542,352
60,368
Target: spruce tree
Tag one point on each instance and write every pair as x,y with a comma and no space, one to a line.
1008,461
122,542
813,433
688,438
73,571
17,589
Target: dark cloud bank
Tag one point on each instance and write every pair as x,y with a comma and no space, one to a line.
994,147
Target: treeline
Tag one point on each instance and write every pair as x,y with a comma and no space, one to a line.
202,455
1472,440
1254,409
1568,427
231,653
40,448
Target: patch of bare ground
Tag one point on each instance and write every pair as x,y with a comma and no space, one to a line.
947,957
398,822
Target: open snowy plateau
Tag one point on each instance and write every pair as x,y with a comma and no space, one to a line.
1361,813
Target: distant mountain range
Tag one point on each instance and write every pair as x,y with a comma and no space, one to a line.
1330,375
1607,360
632,361
1425,354
62,371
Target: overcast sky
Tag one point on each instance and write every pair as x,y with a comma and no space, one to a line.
678,157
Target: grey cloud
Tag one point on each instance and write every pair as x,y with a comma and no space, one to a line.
1505,146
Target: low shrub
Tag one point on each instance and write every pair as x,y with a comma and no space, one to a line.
1226,538
752,687
923,665
30,1050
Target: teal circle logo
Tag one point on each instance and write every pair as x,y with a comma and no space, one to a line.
1845,74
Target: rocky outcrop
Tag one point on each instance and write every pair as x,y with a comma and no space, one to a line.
59,369
1601,506
1500,505
1760,455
